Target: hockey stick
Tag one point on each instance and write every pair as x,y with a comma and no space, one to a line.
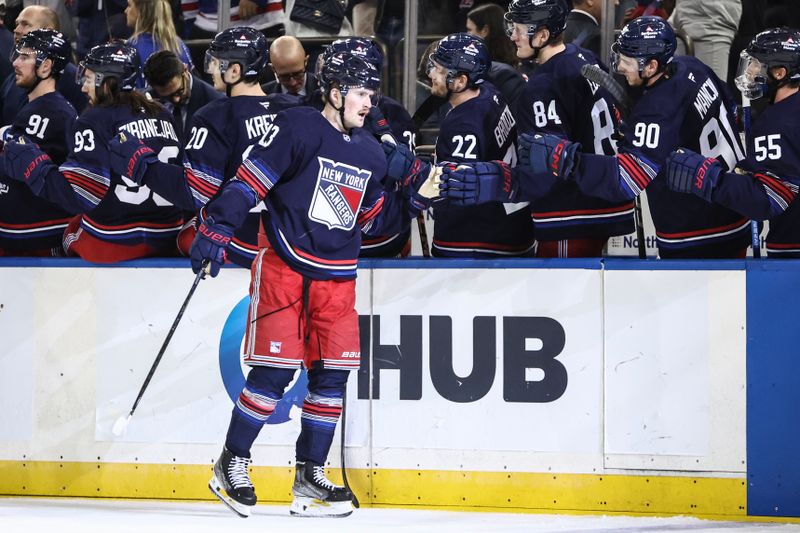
426,109
341,433
755,231
423,112
423,235
122,422
595,74
423,230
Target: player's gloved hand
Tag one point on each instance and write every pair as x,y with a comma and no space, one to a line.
130,157
478,183
399,160
690,172
5,135
619,130
548,154
24,161
421,186
378,125
209,245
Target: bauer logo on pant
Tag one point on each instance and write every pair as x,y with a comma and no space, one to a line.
338,194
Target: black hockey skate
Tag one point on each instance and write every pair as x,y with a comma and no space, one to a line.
231,483
315,495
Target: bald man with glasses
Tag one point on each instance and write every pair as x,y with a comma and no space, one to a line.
289,62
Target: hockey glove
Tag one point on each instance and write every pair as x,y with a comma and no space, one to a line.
376,123
478,183
399,160
421,187
5,135
209,245
24,161
548,154
130,157
690,172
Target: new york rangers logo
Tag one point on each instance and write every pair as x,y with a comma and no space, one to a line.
338,194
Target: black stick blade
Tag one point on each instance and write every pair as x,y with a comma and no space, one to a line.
605,80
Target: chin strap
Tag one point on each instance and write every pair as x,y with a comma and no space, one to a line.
449,82
773,84
537,50
32,88
39,79
339,109
229,86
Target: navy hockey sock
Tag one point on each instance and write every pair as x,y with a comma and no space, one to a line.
321,410
263,390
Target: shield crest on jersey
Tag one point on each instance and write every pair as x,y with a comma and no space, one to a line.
338,194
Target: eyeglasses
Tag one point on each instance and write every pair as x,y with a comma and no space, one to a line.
175,95
290,76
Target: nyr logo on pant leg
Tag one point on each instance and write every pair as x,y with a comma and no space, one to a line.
338,194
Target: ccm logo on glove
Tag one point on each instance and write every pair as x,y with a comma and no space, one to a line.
558,151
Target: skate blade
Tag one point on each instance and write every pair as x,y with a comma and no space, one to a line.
216,488
304,506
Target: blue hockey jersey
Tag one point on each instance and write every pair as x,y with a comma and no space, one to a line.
321,188
221,134
690,107
480,129
27,222
557,99
405,132
769,185
115,208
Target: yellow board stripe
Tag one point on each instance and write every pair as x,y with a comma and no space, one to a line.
495,491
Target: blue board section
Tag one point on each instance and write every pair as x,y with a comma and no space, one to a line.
672,264
773,388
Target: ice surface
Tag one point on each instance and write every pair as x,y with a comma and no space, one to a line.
32,515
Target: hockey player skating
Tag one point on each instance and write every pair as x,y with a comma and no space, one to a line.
121,220
319,175
30,225
765,185
221,133
558,100
679,102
